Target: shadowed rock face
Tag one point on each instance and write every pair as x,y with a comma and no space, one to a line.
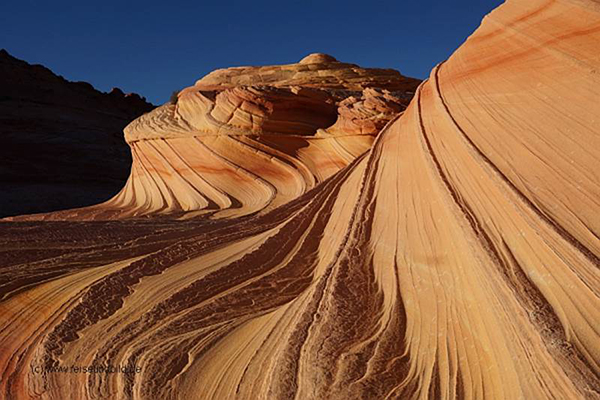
248,139
61,142
458,258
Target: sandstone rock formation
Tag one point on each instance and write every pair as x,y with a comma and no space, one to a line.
458,259
248,139
61,142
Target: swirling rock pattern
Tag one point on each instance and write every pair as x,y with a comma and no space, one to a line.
249,139
458,258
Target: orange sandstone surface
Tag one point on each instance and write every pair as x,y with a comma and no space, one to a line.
248,139
457,258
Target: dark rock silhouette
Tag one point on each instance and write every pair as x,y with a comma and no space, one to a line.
61,142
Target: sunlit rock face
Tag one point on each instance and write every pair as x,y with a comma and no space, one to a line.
368,113
248,139
458,258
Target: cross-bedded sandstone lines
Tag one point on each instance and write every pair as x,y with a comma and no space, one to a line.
249,139
457,258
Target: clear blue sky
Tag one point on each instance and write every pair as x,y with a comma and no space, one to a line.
154,47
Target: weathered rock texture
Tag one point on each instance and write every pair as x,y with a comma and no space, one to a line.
61,142
457,259
248,139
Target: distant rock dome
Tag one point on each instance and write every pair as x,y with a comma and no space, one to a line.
318,58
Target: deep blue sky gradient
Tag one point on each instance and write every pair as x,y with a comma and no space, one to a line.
155,47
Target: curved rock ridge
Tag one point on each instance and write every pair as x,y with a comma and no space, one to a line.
317,70
459,258
248,139
294,99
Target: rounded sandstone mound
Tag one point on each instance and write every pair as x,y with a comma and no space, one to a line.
247,139
318,58
293,99
315,70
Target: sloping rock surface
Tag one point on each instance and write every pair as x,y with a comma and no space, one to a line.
248,139
459,258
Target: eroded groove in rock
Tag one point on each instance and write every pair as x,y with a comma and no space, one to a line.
456,258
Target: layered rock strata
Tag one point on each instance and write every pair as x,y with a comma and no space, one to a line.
248,139
459,258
